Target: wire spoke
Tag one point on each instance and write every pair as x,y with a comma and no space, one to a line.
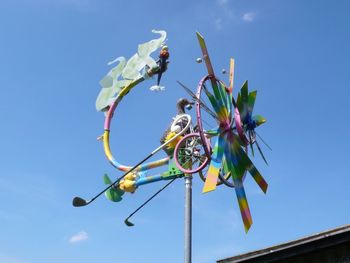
263,141
205,107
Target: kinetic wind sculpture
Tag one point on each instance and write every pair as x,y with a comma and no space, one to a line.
216,148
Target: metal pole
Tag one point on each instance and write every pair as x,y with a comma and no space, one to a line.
188,218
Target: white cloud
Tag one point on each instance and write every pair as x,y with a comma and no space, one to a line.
249,17
81,236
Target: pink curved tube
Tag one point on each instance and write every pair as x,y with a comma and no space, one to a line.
199,118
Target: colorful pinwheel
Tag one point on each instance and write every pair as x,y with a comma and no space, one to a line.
228,155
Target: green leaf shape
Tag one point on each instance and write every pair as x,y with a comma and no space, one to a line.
114,193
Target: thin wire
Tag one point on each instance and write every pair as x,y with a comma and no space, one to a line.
204,106
263,141
149,199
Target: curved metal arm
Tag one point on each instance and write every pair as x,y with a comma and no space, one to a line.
146,166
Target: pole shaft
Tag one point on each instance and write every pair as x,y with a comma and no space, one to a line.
188,218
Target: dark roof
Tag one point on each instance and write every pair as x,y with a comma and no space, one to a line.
296,247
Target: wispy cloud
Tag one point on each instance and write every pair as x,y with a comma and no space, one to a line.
225,9
249,17
224,13
79,237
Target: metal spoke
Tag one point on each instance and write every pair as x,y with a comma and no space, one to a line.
203,105
263,141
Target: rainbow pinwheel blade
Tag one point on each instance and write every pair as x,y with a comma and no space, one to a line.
243,205
215,166
233,157
246,164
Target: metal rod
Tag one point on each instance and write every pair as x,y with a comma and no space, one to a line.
188,218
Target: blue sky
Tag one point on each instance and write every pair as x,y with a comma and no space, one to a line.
53,54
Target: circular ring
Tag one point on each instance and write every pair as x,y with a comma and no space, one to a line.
174,126
189,154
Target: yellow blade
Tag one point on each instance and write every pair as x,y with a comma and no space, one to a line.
232,73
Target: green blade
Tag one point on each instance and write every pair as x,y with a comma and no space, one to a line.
214,103
239,102
244,92
251,101
106,179
113,194
243,107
